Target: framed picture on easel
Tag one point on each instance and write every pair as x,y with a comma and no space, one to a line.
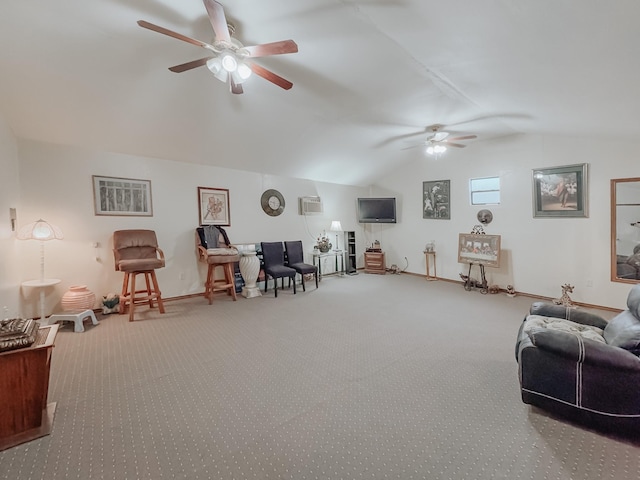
479,249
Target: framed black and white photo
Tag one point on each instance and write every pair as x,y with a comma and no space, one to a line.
560,191
213,206
122,196
436,199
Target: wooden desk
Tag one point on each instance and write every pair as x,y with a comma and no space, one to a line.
24,387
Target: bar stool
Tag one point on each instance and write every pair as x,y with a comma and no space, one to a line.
136,252
223,255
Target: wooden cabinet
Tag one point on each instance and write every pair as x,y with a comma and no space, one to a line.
374,262
24,387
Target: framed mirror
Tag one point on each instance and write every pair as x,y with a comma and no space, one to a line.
625,230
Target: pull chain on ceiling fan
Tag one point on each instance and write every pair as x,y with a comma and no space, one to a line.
230,58
438,141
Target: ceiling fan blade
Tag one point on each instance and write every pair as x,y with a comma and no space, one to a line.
218,20
439,136
171,33
465,137
457,145
183,67
270,76
235,88
275,48
423,144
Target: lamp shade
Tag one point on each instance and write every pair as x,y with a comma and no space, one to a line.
40,230
335,226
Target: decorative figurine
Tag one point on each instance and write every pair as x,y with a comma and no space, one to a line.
511,292
565,299
494,289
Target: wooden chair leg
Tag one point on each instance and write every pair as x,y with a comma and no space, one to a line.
303,287
230,279
157,292
132,298
208,286
124,294
149,291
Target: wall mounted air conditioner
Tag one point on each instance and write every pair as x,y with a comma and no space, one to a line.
310,205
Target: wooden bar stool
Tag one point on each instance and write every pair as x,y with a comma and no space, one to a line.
223,255
136,252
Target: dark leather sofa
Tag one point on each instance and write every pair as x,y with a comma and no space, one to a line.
595,382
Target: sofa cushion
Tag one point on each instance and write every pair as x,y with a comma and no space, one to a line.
623,330
538,322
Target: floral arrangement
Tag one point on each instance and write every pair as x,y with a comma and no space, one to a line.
324,245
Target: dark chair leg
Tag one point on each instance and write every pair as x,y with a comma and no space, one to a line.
266,282
303,287
294,284
316,275
275,286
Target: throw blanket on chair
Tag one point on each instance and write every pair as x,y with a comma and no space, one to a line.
211,235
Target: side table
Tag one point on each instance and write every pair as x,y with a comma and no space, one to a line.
41,284
431,260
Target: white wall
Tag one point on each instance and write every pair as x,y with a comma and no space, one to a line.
9,198
56,185
539,254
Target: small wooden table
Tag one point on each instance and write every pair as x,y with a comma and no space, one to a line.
430,257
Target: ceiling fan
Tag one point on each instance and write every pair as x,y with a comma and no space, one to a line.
230,59
438,141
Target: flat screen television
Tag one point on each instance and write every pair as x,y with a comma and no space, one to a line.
377,210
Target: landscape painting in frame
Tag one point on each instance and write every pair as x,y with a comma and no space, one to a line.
436,198
213,206
122,196
479,249
560,191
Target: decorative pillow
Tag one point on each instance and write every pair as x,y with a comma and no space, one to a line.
536,322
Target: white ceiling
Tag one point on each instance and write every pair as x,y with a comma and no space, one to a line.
369,76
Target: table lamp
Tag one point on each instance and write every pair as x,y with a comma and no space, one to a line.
336,227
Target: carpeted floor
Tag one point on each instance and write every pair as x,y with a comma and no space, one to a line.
368,377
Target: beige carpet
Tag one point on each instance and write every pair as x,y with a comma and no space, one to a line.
368,377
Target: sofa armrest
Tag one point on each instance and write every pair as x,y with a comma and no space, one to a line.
585,351
546,309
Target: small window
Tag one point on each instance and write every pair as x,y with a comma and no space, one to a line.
485,191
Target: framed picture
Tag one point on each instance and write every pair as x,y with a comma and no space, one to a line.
436,198
560,191
213,206
122,196
479,249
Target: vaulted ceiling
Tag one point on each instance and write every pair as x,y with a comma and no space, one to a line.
370,75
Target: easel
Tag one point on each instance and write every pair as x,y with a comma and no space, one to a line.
469,283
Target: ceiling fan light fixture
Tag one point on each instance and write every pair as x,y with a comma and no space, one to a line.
215,66
430,150
229,62
244,71
439,149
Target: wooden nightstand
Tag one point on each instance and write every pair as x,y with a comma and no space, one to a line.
374,263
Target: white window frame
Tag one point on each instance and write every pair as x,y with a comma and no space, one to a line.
472,192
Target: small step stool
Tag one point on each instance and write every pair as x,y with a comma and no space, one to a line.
76,317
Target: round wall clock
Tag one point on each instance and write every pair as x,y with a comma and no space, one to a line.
272,202
485,216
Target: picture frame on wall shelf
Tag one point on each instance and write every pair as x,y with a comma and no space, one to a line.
560,191
122,196
436,199
213,206
480,249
